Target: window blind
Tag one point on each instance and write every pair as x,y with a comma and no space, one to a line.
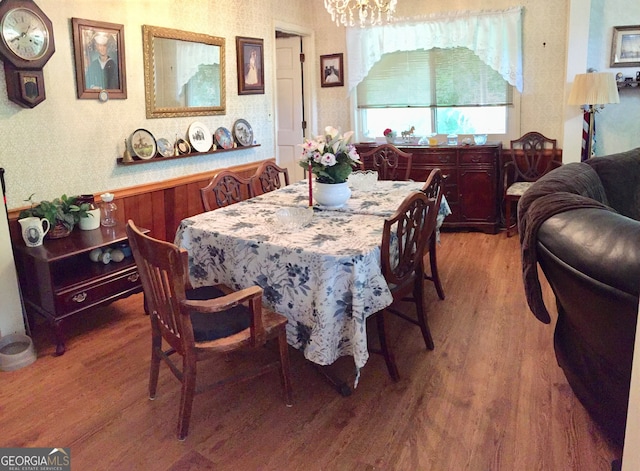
433,78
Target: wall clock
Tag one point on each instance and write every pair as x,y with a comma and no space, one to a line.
26,46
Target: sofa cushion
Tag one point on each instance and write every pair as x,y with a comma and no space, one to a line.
620,177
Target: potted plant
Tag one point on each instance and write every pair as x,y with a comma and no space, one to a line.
63,214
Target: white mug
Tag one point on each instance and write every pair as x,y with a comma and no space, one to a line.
33,230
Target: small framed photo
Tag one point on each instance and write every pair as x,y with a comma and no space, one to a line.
331,70
99,57
250,58
625,46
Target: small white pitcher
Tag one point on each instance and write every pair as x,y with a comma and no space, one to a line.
33,230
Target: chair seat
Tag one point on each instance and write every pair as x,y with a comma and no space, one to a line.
207,327
518,188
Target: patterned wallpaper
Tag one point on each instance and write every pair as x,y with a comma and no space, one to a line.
66,145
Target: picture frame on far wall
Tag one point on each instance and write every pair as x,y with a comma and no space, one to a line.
331,70
99,57
625,46
250,60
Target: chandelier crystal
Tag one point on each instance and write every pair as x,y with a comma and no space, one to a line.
368,12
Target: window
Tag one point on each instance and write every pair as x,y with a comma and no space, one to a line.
439,91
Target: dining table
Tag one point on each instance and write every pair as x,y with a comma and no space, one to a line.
325,277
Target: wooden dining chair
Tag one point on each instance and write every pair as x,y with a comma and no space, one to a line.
402,259
225,188
201,323
532,156
390,162
433,188
269,177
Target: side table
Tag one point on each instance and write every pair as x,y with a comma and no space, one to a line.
58,280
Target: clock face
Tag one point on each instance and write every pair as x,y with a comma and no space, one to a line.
25,34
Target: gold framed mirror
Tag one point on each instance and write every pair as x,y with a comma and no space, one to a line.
184,73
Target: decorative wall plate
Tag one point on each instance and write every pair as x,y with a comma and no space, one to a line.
223,138
200,137
183,146
143,144
242,132
165,149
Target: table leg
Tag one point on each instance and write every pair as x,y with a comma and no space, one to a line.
59,334
334,380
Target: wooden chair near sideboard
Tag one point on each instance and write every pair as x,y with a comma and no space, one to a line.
531,156
390,162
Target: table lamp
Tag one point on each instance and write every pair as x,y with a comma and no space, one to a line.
590,91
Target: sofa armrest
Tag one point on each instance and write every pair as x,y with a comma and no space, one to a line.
601,244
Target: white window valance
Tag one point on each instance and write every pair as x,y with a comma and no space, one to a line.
494,36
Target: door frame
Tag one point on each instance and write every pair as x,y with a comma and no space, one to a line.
309,83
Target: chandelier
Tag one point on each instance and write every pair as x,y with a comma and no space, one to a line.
369,12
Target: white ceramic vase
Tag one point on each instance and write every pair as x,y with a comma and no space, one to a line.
331,195
92,221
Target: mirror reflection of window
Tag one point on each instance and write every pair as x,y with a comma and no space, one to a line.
186,74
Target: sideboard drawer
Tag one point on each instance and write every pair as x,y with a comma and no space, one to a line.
472,157
436,157
79,298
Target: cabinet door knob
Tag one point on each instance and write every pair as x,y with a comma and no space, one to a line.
134,277
80,297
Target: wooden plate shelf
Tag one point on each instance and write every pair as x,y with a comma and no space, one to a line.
182,156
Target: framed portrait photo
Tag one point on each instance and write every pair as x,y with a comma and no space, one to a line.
331,70
625,46
250,58
99,57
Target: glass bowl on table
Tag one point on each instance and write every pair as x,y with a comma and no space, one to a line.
294,218
363,179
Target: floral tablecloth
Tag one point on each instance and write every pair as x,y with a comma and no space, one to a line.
325,278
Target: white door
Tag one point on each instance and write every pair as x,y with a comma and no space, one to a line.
289,105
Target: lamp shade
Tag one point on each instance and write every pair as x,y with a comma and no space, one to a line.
594,88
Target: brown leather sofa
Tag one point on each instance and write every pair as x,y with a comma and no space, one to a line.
581,224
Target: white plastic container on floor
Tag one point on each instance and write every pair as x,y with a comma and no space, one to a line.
16,351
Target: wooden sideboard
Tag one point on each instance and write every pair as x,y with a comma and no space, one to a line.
58,280
472,174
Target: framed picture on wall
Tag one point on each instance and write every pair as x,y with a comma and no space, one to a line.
625,46
99,57
331,70
250,58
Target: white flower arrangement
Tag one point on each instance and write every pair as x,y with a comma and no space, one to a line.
331,156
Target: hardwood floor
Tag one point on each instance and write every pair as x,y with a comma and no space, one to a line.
489,397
